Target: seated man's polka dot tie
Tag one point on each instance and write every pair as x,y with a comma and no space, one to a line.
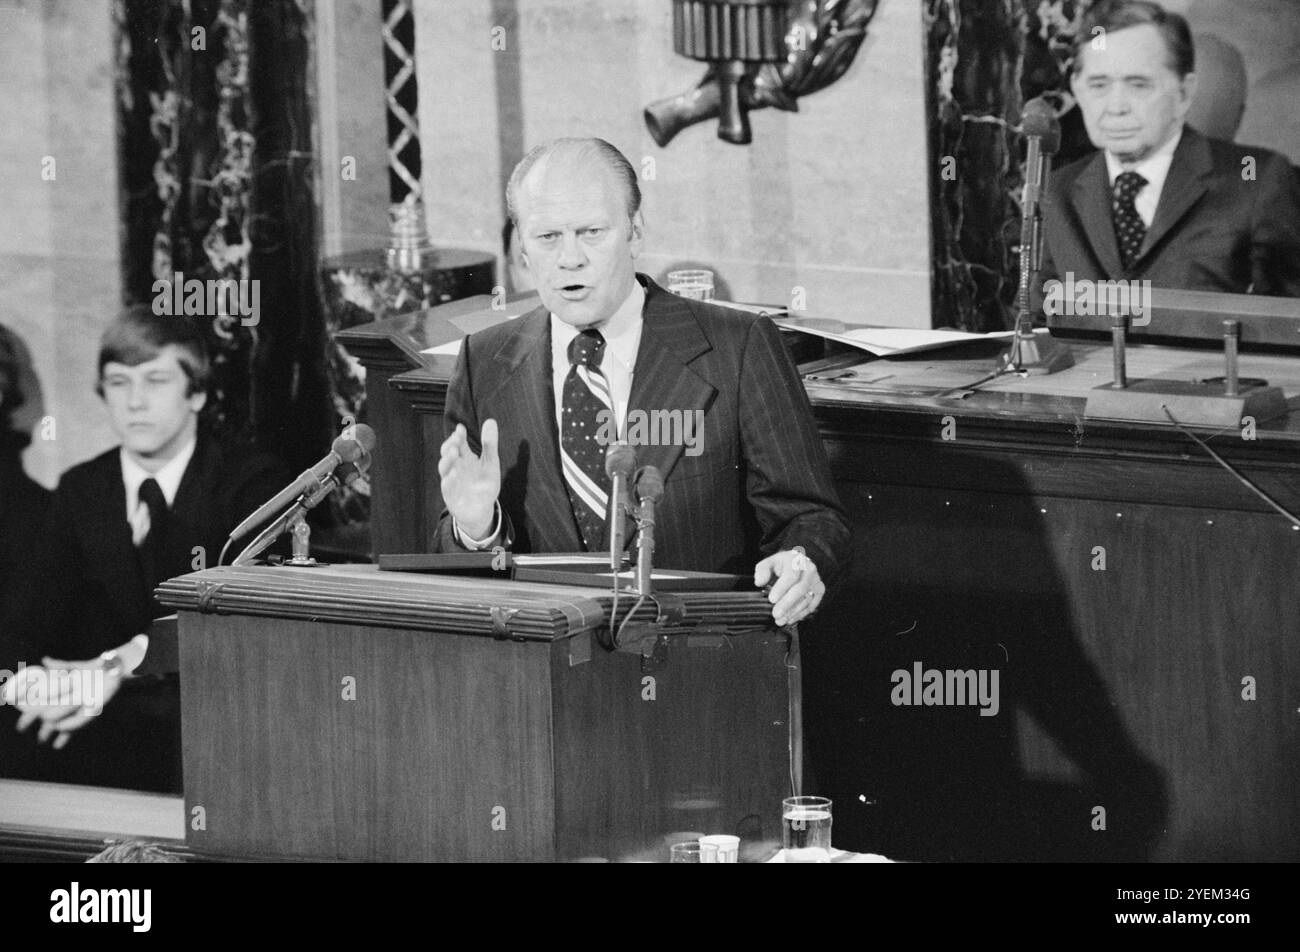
587,403
1130,230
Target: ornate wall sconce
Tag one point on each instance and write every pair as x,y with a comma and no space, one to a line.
760,53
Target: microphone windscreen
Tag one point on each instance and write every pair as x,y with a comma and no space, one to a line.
649,484
354,444
620,460
1039,119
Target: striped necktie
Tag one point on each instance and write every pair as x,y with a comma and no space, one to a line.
586,397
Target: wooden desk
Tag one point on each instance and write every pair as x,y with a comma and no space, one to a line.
347,713
981,545
1123,583
52,822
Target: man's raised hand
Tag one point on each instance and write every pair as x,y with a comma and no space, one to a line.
471,481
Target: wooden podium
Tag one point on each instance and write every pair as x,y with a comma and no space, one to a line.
347,713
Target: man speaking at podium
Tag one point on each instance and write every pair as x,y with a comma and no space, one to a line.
523,465
1161,202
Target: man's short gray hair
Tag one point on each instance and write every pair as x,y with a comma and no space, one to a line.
577,150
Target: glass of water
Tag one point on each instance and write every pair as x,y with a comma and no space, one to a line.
693,852
696,284
806,829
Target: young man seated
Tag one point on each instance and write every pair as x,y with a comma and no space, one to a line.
159,505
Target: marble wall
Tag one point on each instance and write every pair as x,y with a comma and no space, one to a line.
832,198
59,274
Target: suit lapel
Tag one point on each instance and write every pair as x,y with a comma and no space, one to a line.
195,498
1091,199
663,380
1183,188
523,362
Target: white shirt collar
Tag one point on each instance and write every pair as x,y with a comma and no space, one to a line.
168,478
622,332
1154,168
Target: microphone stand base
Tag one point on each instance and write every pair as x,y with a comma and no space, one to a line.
1202,403
1036,354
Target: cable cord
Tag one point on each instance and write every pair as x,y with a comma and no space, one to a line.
1230,468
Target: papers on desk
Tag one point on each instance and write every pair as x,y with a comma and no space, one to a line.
773,311
449,349
886,341
462,324
839,856
452,348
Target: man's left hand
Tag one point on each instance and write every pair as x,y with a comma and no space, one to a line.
798,589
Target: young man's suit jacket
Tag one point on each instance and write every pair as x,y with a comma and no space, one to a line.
84,592
1228,219
761,482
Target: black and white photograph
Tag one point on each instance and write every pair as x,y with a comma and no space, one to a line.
652,431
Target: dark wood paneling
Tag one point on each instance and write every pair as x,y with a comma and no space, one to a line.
1117,685
443,731
708,754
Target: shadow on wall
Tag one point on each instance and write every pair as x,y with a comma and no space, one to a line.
926,778
1270,119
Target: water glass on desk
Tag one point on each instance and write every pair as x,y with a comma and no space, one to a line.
695,284
806,829
693,852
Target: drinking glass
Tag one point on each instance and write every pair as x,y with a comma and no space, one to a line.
806,829
696,284
693,852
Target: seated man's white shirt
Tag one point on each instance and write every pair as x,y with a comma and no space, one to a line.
137,514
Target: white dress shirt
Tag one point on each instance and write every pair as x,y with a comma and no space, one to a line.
168,479
622,333
1155,169
137,514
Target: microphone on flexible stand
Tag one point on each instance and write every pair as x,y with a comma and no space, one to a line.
1029,352
620,461
345,474
353,447
649,490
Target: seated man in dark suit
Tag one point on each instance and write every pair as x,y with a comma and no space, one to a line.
524,464
22,501
158,505
1160,202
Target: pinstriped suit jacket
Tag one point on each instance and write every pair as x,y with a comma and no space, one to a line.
760,484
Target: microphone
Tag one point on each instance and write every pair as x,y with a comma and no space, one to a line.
649,490
345,474
346,448
1042,133
1030,353
620,460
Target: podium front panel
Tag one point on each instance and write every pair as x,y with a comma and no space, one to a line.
317,738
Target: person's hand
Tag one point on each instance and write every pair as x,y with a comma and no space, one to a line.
798,588
471,482
73,696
